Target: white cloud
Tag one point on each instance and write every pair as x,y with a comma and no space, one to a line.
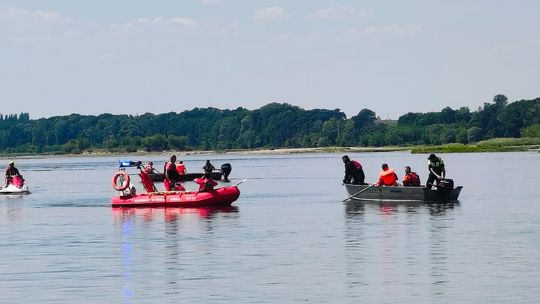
339,12
20,20
41,16
269,14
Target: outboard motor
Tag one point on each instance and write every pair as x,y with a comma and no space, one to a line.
446,185
226,169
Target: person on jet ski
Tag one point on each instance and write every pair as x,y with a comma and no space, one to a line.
10,172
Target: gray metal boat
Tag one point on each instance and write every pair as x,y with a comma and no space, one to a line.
402,194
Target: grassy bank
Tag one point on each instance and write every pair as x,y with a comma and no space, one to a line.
490,145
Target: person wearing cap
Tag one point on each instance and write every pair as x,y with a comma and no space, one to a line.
353,171
11,171
436,169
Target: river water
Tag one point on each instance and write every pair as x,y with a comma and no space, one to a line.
289,238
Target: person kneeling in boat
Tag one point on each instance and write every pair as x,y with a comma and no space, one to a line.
206,183
410,179
10,172
436,170
172,178
354,171
387,177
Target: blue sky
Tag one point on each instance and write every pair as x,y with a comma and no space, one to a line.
61,56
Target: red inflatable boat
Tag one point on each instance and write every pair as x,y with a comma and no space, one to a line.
206,196
218,197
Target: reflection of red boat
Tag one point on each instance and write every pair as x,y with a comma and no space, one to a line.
171,214
218,197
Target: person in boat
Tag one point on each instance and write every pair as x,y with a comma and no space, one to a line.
149,168
171,175
147,182
436,169
208,168
10,172
410,179
387,177
226,169
353,171
206,183
181,168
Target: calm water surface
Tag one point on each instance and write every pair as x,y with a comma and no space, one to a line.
289,238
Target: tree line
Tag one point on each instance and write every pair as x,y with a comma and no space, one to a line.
275,125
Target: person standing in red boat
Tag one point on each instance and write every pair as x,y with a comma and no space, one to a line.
387,177
149,168
171,175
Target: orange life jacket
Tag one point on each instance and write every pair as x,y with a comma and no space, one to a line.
388,177
411,179
181,169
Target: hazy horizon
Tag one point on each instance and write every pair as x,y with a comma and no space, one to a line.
392,57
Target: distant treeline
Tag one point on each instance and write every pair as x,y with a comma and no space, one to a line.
272,126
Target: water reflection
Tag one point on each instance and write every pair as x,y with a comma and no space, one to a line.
387,208
14,208
180,226
127,260
440,209
170,214
386,239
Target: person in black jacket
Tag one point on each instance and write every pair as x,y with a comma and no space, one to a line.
208,168
353,171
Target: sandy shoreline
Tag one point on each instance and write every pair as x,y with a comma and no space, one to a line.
279,151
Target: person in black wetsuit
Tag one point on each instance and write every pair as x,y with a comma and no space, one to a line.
208,168
353,171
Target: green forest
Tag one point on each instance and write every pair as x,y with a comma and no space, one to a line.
275,125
